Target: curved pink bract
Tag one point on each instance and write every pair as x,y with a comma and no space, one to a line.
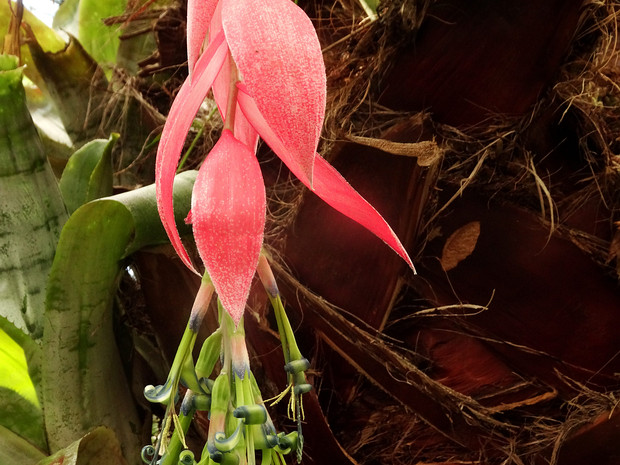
199,14
228,215
182,113
279,57
328,183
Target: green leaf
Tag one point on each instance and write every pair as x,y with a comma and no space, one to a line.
84,20
14,369
83,380
99,447
99,40
49,39
32,356
20,410
66,17
31,208
22,417
88,174
15,450
77,86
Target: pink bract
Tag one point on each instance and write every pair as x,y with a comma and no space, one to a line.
180,118
279,57
228,216
199,14
328,184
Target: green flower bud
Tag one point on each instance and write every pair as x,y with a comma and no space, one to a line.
201,402
297,366
302,389
251,414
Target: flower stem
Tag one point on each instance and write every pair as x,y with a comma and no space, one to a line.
177,442
231,104
182,367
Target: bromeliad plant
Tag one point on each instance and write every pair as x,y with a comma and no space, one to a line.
264,64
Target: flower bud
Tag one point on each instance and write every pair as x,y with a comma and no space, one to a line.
297,366
201,402
251,414
302,389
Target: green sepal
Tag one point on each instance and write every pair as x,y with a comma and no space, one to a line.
220,394
188,375
186,457
202,402
225,443
297,366
287,442
161,393
210,353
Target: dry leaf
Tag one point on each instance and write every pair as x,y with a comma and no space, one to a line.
460,245
427,152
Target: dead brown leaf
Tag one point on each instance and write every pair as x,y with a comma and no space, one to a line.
427,152
460,245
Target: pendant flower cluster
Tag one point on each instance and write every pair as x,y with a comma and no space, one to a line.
264,64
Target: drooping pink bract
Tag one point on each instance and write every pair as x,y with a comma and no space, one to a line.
182,113
328,184
279,57
199,14
228,216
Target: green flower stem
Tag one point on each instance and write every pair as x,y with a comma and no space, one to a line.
287,337
191,147
182,368
246,384
295,363
176,445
